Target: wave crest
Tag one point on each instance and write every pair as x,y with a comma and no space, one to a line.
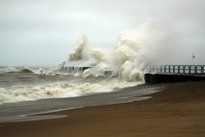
132,52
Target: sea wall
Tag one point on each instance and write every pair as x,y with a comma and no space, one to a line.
165,78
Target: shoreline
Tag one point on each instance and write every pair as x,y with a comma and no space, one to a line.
26,111
178,110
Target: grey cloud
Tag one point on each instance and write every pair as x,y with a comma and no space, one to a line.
57,24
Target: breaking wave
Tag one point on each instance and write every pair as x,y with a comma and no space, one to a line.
69,87
32,70
129,56
26,70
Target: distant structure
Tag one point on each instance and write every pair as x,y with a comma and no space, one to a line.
74,67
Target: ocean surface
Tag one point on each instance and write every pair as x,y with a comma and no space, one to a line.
32,90
34,83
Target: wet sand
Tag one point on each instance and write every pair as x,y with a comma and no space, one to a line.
177,111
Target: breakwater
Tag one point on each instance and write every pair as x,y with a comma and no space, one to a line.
165,78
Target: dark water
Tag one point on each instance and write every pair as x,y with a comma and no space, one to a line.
10,112
26,91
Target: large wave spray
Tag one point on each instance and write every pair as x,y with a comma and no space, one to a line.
79,53
129,56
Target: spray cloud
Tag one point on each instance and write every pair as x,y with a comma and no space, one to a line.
79,52
148,44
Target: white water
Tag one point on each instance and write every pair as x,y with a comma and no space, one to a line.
58,87
148,44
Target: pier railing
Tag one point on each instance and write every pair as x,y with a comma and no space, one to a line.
184,69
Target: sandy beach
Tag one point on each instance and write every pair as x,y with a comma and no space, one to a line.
178,111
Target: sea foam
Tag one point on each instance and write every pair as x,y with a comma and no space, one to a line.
63,89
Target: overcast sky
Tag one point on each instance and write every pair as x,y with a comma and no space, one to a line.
43,32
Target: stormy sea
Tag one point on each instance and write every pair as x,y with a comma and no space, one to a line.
34,90
91,76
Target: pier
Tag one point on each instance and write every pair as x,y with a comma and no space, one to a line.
174,73
73,69
156,74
